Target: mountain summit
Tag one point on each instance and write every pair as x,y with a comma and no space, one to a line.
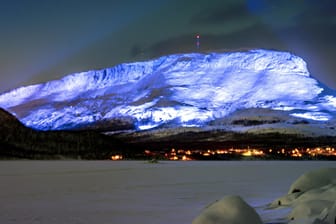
181,90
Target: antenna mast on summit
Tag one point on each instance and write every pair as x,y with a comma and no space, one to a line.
198,41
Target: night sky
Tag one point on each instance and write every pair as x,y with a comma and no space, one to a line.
45,40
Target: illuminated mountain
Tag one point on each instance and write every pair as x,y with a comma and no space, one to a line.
235,90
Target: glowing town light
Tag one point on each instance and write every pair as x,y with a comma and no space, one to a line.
248,153
297,155
117,157
206,154
180,151
221,152
185,158
174,158
184,154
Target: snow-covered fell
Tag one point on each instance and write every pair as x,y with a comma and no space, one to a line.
180,90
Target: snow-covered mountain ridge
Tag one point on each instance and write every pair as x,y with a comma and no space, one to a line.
176,90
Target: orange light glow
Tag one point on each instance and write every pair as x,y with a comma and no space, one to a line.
174,158
185,158
117,157
248,153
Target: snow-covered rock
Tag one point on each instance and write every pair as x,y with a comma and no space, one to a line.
229,210
330,215
314,211
314,179
312,197
310,200
180,90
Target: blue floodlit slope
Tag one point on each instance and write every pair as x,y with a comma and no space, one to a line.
182,90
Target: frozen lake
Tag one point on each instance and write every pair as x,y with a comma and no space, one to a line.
125,192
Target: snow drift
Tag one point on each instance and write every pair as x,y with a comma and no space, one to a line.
312,199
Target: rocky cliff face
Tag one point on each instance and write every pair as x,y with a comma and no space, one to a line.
183,90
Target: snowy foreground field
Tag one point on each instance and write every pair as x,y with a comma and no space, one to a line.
130,192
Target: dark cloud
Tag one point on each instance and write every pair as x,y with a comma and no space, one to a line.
316,17
314,43
135,51
220,14
257,36
323,7
44,41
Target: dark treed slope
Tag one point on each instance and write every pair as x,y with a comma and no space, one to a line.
18,141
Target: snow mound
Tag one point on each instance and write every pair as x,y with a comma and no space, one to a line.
182,90
314,179
230,210
312,197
